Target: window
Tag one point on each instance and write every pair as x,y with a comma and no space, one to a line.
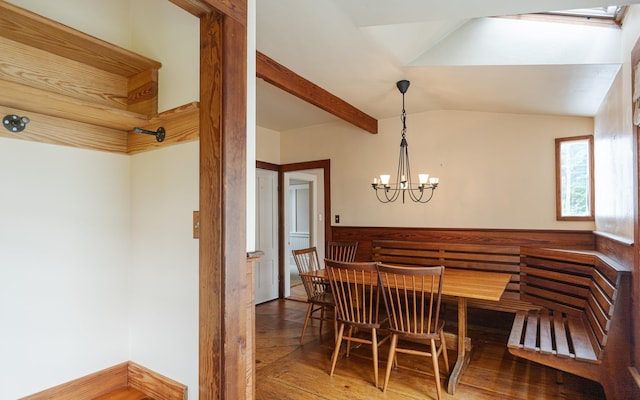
574,178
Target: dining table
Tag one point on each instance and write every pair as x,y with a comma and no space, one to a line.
461,284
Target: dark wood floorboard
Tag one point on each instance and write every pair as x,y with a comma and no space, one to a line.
287,370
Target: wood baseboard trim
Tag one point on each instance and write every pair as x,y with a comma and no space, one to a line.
87,387
155,385
113,378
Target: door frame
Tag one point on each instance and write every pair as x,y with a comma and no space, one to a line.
325,165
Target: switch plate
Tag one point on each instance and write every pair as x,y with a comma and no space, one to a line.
337,219
196,224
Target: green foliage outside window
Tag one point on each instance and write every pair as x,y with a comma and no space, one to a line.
574,175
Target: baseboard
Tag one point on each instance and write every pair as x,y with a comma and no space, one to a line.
88,387
110,379
155,385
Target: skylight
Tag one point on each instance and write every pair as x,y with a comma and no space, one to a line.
610,14
607,12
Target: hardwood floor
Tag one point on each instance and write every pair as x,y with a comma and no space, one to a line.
287,370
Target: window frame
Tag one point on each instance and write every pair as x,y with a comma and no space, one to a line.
559,216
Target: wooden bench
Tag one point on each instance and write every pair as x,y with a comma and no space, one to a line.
493,258
585,308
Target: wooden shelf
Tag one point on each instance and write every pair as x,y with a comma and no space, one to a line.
23,26
76,88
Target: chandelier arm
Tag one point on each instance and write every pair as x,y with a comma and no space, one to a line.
430,195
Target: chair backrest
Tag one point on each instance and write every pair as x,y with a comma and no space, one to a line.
412,297
307,261
341,251
355,292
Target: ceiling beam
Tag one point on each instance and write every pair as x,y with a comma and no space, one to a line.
280,76
236,9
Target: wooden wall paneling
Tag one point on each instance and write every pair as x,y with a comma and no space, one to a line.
46,129
619,249
280,76
182,124
582,240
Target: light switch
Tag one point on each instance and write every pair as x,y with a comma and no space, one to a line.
196,224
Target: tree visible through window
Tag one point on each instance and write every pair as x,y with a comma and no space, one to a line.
574,178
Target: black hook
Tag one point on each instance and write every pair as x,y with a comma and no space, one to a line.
14,123
159,134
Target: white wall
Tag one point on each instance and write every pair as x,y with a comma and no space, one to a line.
163,278
64,264
106,20
164,32
495,170
119,281
267,145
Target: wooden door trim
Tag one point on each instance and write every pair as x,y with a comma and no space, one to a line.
325,165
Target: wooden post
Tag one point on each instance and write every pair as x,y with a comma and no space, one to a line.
225,355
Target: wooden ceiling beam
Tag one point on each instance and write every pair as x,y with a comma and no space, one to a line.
236,9
280,76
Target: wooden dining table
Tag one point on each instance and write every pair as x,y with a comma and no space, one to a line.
462,285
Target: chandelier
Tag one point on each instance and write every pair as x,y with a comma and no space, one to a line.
420,192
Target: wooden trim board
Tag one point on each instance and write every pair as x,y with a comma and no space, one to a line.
113,378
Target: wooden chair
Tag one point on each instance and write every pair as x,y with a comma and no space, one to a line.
356,295
341,251
412,299
318,291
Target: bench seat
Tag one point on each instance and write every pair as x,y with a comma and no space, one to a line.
554,333
583,326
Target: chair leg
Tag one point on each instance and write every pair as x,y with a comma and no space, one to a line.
306,321
374,345
392,355
443,348
436,367
349,334
334,357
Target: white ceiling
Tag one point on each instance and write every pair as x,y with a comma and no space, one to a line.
454,56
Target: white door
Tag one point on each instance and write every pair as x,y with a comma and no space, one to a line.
266,272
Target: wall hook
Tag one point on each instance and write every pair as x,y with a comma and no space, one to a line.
14,123
159,133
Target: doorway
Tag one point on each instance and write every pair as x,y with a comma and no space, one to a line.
303,197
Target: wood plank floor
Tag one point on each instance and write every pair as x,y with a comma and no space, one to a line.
287,370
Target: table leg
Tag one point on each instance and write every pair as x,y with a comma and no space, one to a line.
463,356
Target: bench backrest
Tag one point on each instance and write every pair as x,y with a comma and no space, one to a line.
504,259
575,283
